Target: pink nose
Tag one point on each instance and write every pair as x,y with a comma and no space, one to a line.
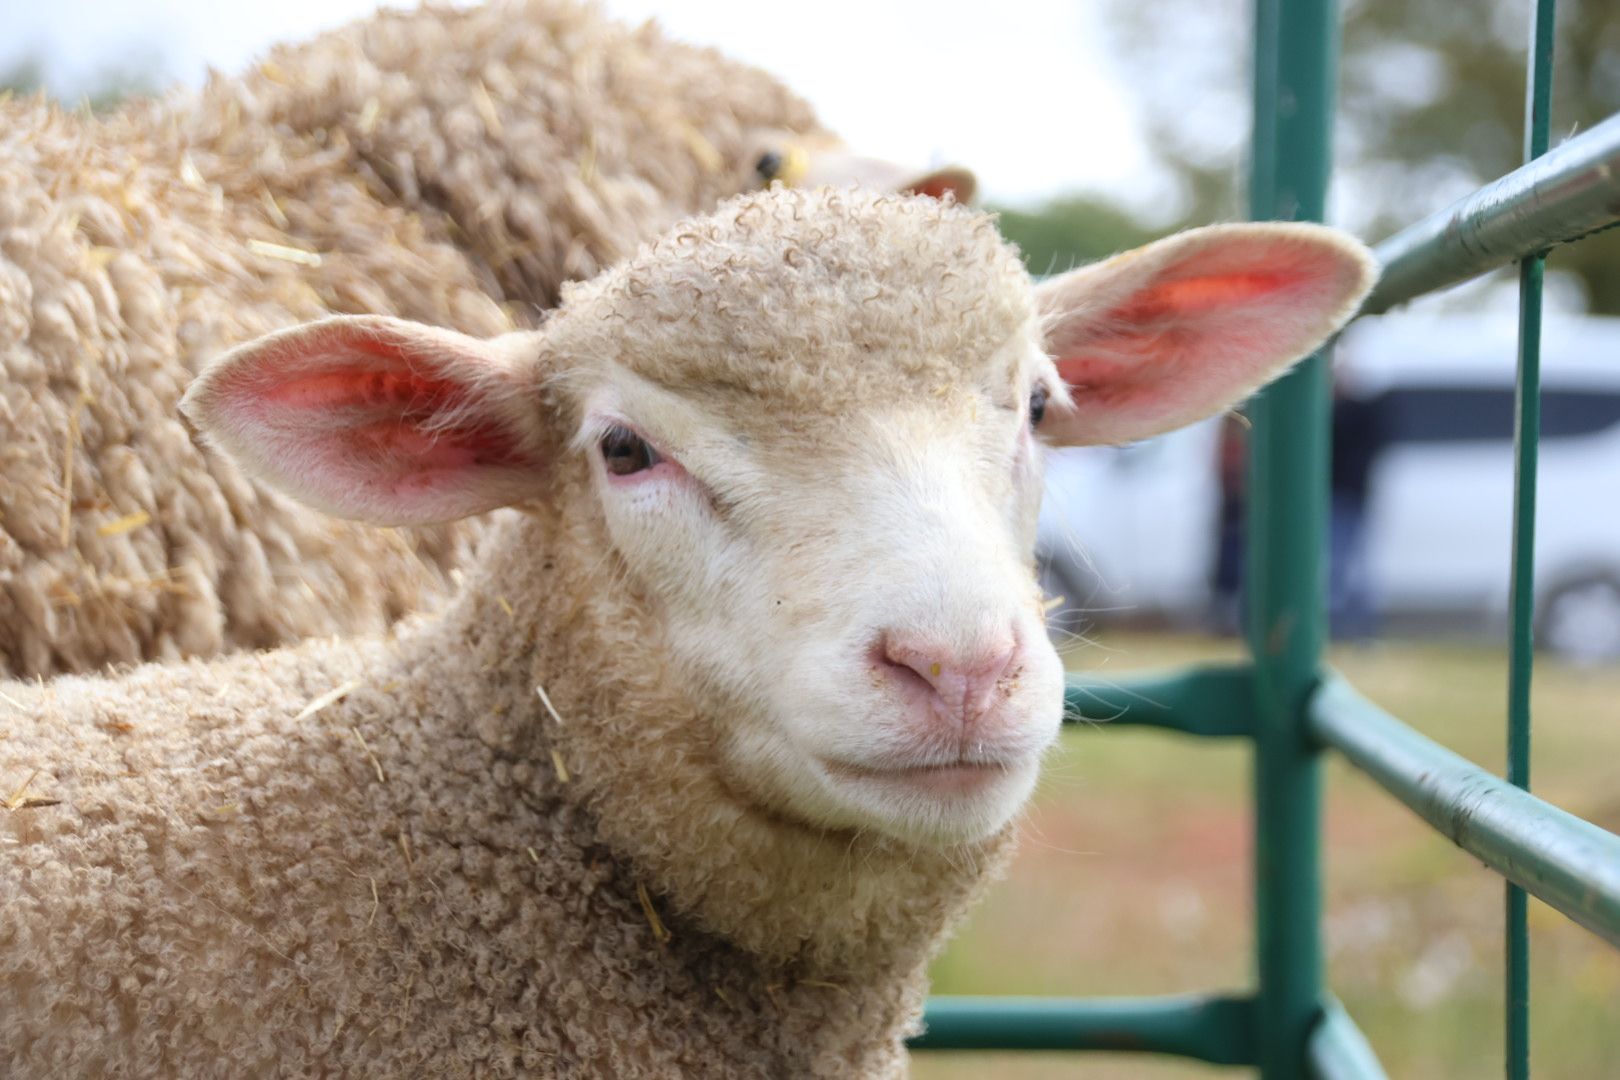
959,685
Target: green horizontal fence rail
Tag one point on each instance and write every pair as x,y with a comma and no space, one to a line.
1213,1029
1338,1050
1556,199
1283,701
1214,699
1570,864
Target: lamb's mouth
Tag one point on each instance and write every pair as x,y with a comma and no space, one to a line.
944,779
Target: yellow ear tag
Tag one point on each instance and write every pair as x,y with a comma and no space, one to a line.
795,163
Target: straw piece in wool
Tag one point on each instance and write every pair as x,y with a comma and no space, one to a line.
453,167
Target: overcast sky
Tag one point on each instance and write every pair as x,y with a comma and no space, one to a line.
1020,91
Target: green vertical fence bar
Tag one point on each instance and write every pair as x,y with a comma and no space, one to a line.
1294,64
1526,440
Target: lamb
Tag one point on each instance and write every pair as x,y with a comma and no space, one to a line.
731,718
453,167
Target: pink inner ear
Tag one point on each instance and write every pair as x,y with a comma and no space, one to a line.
1109,366
436,449
1194,296
1188,326
359,387
376,419
411,406
1108,383
392,385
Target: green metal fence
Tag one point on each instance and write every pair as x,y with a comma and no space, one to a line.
1283,701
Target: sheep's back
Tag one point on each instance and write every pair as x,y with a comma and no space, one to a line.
128,259
556,139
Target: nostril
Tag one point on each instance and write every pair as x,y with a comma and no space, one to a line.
962,680
901,668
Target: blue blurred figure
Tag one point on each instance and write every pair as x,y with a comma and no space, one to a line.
1358,436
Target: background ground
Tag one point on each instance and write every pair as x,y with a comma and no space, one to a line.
1133,878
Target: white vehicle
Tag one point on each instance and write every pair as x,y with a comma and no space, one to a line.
1438,516
1441,505
1130,531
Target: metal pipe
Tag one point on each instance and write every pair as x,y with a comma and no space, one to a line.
1213,700
1522,580
1560,196
1296,66
1571,864
1339,1051
1208,1028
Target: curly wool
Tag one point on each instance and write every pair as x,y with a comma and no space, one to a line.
200,880
453,167
877,286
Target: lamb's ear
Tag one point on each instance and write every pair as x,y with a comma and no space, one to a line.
1187,327
836,167
376,419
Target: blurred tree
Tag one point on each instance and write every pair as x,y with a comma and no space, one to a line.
1070,231
106,89
23,77
1431,104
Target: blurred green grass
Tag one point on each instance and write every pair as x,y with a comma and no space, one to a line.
1133,878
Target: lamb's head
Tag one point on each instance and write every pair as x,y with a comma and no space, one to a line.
808,428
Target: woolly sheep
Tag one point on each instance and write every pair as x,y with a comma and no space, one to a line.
727,725
453,167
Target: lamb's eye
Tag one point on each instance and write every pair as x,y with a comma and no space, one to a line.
1037,405
624,452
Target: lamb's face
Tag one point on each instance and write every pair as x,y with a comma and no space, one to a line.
852,592
810,425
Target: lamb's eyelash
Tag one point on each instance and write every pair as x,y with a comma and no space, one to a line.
597,425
